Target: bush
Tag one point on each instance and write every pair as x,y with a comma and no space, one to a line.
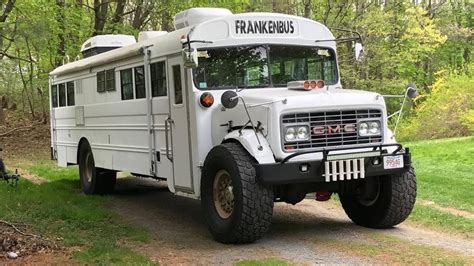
448,111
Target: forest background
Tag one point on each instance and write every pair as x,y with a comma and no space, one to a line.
429,42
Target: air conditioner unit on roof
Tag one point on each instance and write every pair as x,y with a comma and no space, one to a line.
104,43
194,16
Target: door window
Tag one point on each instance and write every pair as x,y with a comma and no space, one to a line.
178,86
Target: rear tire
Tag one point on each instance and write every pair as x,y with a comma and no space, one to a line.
236,207
390,204
94,180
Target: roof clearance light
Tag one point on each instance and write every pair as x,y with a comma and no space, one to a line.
306,85
206,100
320,84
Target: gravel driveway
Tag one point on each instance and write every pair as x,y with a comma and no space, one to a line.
308,233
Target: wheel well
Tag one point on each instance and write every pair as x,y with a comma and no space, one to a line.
81,141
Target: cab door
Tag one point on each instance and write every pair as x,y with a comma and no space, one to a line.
179,127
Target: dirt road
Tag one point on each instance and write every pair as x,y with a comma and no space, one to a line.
308,233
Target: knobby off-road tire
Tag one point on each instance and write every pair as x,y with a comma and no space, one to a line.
393,205
94,180
249,216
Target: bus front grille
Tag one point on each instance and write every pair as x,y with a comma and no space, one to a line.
330,129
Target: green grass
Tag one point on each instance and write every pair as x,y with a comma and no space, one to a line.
59,209
445,171
445,175
264,262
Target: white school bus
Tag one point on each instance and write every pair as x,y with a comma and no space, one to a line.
237,110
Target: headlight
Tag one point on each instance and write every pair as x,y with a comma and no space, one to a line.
290,134
297,133
369,128
302,133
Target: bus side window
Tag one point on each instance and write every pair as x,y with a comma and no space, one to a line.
70,93
126,84
178,88
62,95
158,79
110,80
54,96
140,82
101,81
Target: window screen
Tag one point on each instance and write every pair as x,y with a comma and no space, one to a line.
178,88
110,80
158,79
62,95
101,81
54,95
140,82
70,93
126,84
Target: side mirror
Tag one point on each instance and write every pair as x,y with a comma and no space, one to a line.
229,99
190,57
411,91
359,51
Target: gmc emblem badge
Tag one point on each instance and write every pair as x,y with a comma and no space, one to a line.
334,129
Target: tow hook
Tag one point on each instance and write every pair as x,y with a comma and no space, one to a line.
323,195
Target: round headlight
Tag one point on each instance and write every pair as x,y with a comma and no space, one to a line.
374,128
363,128
302,133
290,134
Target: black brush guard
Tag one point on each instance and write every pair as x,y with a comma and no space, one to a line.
286,172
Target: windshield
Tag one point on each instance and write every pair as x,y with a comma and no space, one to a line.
263,66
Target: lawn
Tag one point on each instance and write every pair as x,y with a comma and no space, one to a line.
58,209
445,178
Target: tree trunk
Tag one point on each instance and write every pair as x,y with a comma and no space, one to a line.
101,8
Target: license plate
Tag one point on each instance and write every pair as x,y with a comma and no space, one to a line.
393,162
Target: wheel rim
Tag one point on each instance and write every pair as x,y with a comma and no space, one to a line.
223,194
89,163
372,192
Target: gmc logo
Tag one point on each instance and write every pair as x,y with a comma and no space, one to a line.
334,129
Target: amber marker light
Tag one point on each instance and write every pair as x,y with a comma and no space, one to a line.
306,85
206,100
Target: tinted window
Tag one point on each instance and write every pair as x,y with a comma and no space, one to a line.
101,81
54,95
158,79
178,88
70,93
140,82
264,66
62,95
126,84
110,80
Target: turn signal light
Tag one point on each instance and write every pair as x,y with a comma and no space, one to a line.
206,100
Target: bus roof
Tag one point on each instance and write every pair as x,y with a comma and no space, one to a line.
231,30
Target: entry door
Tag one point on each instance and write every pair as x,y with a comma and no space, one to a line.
180,142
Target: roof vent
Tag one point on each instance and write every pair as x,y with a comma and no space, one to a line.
104,43
194,16
145,35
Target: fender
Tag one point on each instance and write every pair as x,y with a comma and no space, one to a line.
250,143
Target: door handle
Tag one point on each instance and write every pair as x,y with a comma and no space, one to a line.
168,130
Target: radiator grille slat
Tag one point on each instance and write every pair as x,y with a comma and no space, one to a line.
324,120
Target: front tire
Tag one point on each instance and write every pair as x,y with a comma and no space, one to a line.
385,202
94,180
236,207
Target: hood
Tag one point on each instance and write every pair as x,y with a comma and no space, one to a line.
317,97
